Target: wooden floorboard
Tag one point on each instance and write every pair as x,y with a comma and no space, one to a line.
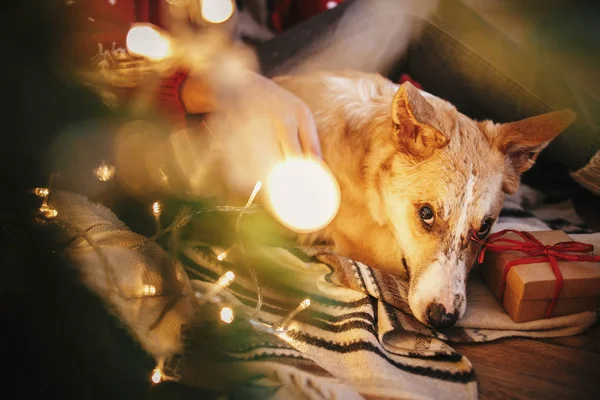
557,368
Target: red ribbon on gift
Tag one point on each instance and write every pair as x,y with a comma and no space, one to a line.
538,253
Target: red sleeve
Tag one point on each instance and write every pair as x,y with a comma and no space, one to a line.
101,28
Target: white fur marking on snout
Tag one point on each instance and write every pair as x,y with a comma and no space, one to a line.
433,287
463,219
445,279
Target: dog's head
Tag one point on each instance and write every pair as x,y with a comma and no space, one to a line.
445,180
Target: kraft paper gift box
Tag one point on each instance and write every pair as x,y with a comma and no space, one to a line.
530,288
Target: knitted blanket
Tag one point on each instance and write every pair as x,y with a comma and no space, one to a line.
357,339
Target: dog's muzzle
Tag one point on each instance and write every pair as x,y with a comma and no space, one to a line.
439,318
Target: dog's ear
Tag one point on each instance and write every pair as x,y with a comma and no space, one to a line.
523,140
415,123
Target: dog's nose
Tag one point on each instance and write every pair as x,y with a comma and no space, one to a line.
439,318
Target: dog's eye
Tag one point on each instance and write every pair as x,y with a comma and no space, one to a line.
484,229
426,214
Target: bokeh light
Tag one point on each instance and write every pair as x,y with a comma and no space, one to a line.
227,315
156,375
146,41
217,11
303,194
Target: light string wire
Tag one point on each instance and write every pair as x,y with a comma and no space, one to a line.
183,217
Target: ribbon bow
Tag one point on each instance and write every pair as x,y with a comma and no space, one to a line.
538,253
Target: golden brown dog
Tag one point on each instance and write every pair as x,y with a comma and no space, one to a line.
416,178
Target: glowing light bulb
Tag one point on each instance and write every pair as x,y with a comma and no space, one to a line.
223,281
156,209
149,290
303,194
217,11
331,4
157,375
227,315
48,212
226,279
257,187
281,326
41,192
104,172
146,41
305,303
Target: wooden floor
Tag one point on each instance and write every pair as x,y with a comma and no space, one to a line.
558,368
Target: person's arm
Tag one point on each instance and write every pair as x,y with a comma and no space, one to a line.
99,45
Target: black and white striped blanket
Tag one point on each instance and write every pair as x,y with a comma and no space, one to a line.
358,339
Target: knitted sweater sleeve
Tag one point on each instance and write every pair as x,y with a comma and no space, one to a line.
100,31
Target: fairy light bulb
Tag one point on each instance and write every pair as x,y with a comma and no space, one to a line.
157,375
41,192
104,172
282,325
304,195
217,11
227,315
305,304
146,41
223,281
156,209
149,290
226,279
48,212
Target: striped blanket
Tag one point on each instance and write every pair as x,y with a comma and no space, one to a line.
357,340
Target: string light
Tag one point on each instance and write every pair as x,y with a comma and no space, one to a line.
281,325
44,193
217,11
41,192
48,212
157,211
149,290
147,41
104,172
223,281
303,194
157,375
227,315
257,187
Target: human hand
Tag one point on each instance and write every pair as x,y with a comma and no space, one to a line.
258,126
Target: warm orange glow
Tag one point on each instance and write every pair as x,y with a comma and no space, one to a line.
303,194
227,315
217,11
41,192
146,41
48,212
104,172
157,375
156,209
149,290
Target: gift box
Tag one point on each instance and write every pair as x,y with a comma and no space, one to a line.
541,274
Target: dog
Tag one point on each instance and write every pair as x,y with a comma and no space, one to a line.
417,179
